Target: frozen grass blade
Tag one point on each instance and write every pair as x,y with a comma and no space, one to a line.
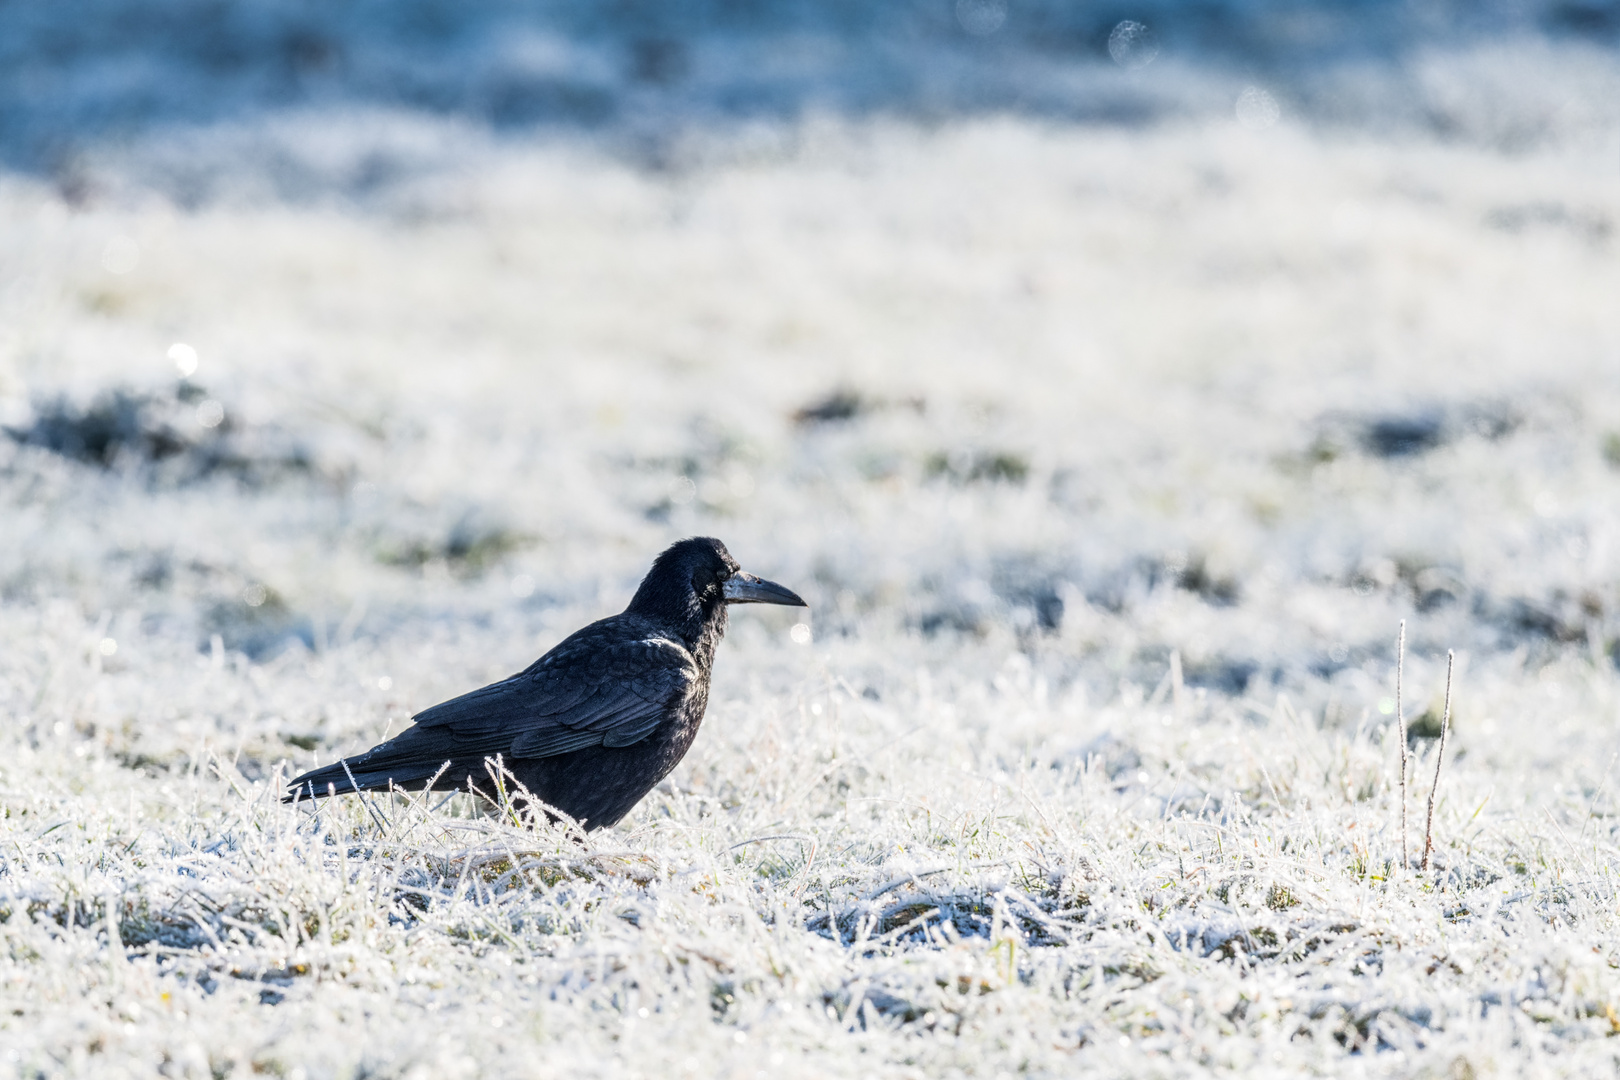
1439,760
364,797
1400,721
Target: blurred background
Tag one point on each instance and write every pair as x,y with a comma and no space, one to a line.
300,100
1068,336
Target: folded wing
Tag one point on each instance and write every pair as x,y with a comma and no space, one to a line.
586,692
594,695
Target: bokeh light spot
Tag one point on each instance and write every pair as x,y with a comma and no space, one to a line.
107,647
255,595
1256,109
210,414
384,683
800,634
1133,45
981,18
184,357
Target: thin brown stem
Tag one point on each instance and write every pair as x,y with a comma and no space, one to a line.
1400,720
1439,758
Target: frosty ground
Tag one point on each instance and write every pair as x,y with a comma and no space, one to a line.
1109,460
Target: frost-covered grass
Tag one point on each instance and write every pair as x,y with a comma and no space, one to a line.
1137,445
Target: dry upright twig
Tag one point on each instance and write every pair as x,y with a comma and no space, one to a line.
1400,719
1439,757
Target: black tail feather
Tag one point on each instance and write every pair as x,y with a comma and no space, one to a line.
335,779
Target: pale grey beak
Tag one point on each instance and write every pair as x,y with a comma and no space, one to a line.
744,588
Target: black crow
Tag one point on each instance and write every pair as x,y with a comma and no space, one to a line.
593,724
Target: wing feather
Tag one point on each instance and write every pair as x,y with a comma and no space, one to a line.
585,693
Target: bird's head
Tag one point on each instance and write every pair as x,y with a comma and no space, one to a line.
693,581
